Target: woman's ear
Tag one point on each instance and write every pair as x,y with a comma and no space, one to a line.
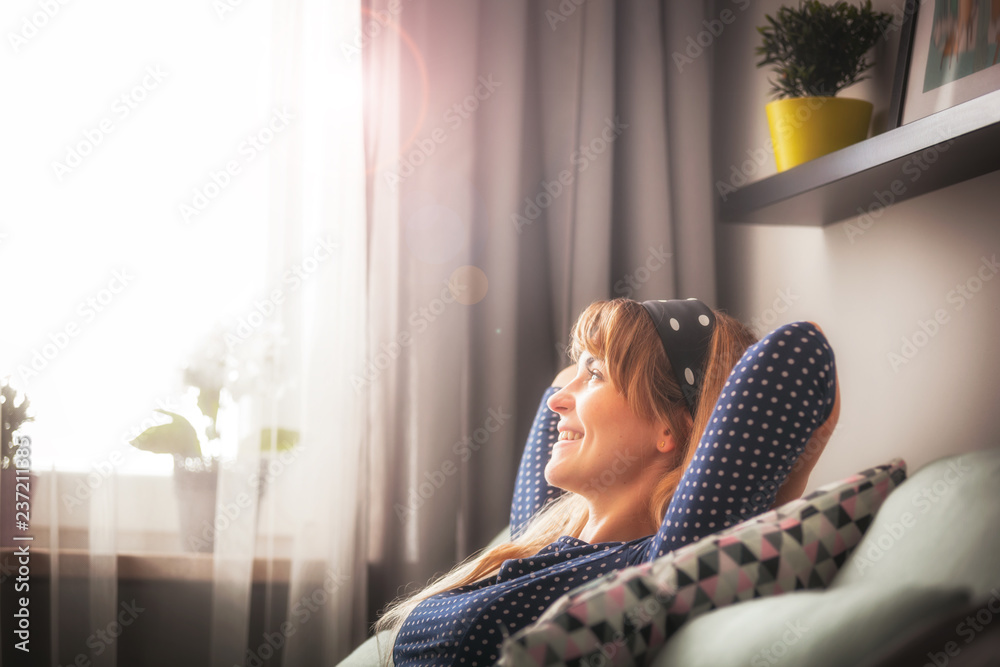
665,441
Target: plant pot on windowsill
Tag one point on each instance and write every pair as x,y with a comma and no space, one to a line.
195,486
196,477
817,50
196,483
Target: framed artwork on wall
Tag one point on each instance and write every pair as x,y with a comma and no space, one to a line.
949,53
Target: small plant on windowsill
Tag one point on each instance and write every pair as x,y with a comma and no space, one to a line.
216,374
13,414
816,50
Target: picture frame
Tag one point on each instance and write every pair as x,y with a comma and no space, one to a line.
949,53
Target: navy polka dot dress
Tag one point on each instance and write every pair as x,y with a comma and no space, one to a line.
782,389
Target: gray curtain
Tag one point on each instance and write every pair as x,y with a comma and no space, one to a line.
525,159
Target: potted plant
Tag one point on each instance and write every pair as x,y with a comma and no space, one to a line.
816,50
12,415
196,474
216,374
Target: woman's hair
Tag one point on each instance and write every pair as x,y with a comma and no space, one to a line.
622,334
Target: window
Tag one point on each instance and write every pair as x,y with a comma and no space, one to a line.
136,211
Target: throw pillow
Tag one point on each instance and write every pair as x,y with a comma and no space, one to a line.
624,618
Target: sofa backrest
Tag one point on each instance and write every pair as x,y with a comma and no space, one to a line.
940,527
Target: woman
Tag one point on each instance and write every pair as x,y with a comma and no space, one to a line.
673,424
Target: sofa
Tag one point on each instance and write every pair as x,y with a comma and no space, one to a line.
918,584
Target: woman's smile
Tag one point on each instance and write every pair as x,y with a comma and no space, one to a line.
567,438
596,427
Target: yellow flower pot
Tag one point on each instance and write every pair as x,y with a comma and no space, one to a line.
804,128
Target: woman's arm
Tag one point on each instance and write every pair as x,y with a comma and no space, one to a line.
778,395
798,478
531,491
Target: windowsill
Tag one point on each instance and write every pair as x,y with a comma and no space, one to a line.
191,567
143,524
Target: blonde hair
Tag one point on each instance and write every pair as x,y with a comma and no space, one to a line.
620,333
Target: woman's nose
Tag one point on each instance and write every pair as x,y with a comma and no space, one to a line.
561,401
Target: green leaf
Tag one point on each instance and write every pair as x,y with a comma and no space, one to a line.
11,416
818,49
177,437
287,438
208,403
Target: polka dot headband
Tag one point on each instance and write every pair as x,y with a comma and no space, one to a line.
685,327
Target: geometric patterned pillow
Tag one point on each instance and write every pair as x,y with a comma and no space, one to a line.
626,616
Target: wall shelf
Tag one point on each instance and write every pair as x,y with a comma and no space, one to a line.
942,149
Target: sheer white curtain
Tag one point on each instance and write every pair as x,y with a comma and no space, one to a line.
318,223
176,176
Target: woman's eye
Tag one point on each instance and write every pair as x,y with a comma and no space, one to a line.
594,374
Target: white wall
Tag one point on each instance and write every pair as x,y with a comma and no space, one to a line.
869,291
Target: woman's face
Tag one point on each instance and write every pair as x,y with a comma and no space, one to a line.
601,441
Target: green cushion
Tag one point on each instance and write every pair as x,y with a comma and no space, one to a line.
815,628
501,537
939,528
